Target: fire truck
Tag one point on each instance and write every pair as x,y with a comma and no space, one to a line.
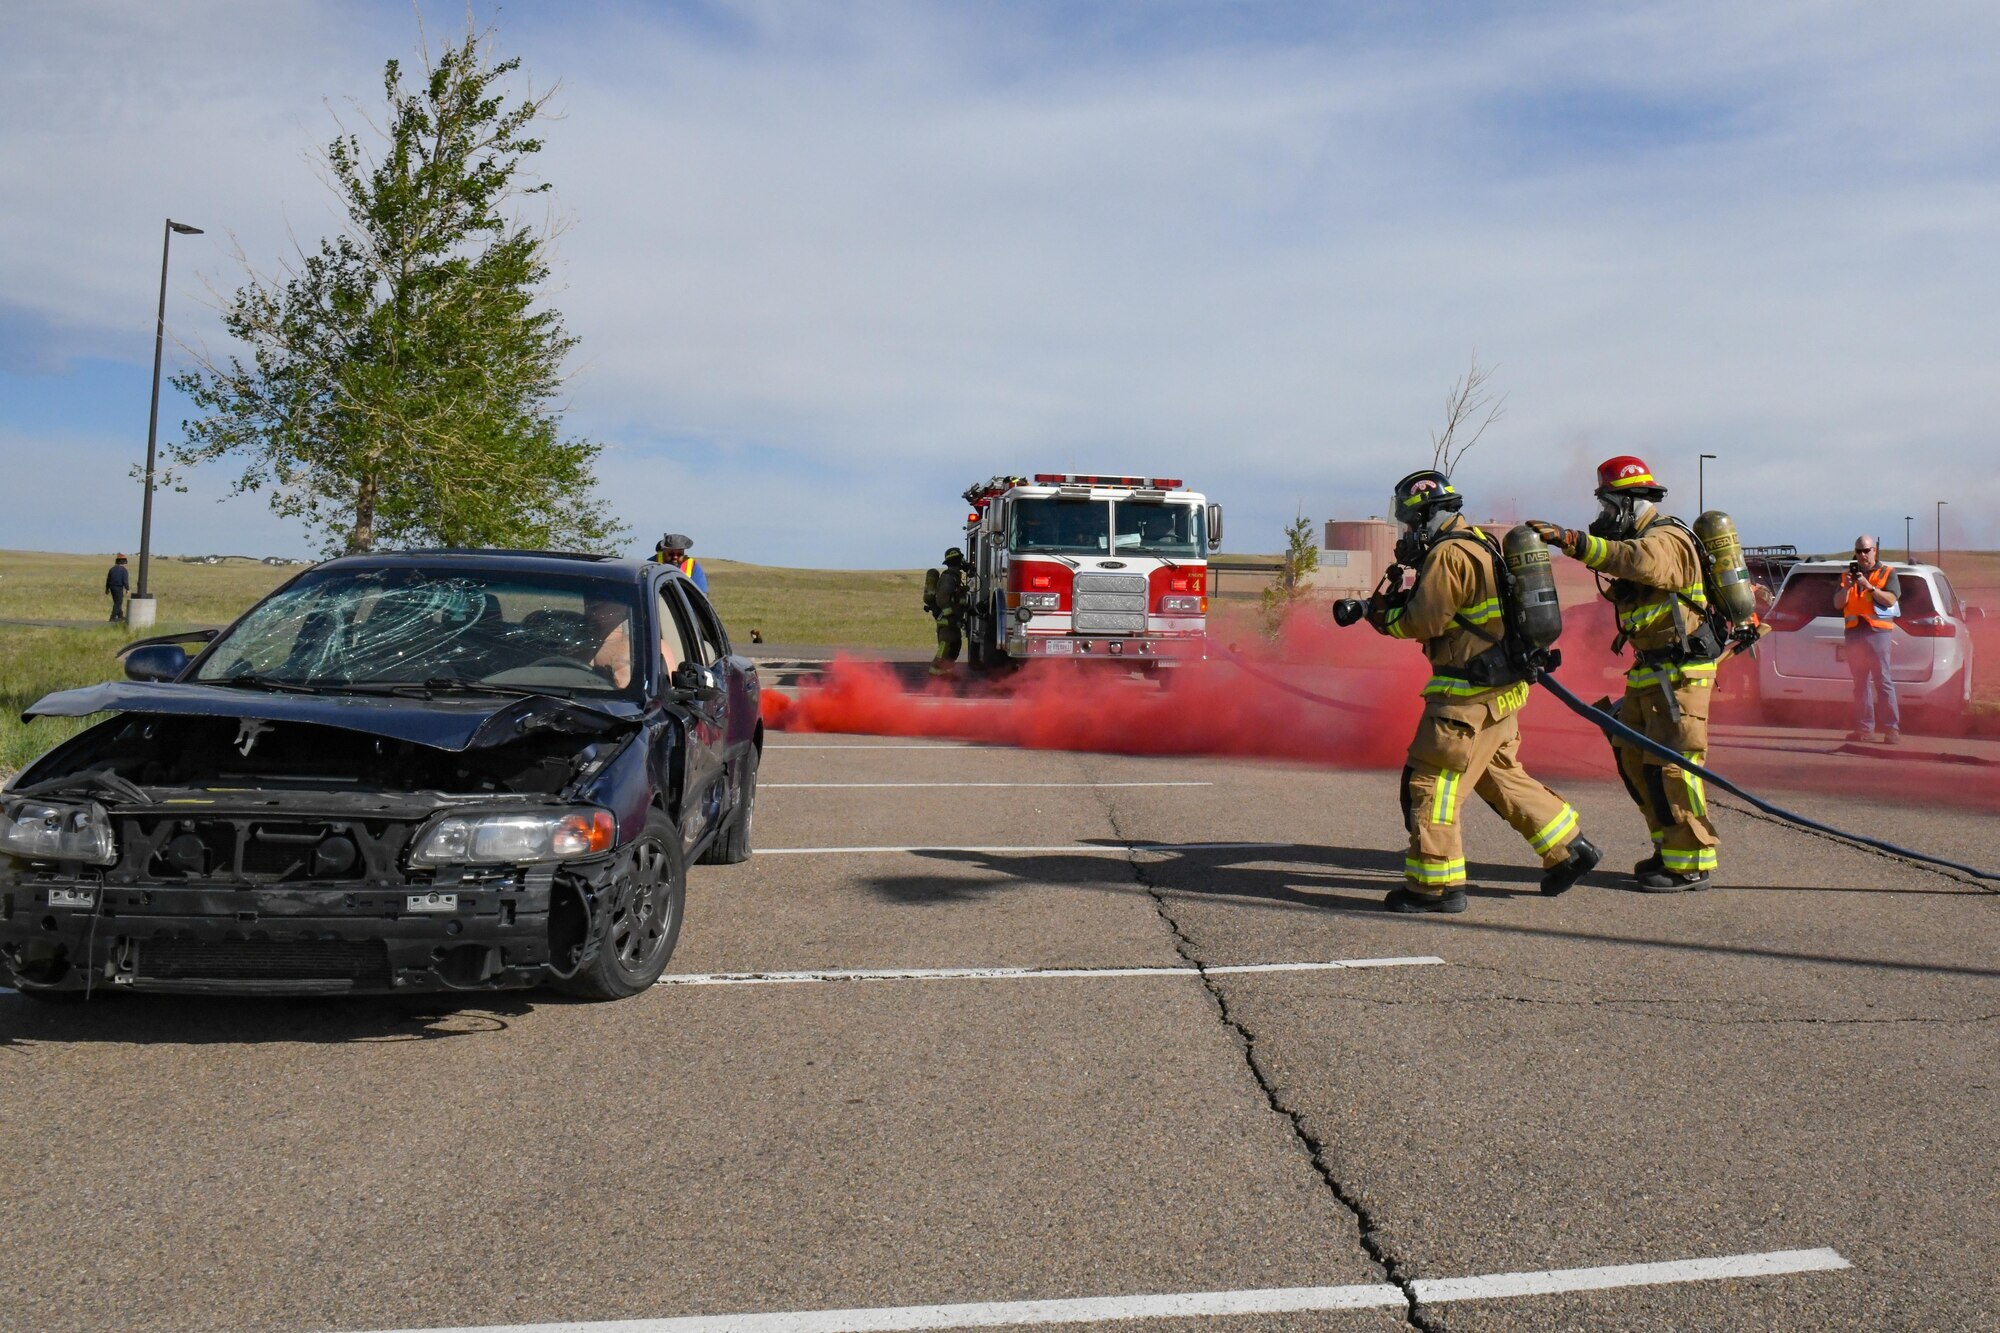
1080,566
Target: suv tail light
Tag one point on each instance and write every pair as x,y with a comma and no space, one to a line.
1930,627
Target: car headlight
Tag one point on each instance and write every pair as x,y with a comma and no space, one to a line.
57,831
1041,601
1181,605
558,835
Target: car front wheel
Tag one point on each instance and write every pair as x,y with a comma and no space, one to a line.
638,917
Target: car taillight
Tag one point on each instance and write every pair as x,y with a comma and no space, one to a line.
1930,627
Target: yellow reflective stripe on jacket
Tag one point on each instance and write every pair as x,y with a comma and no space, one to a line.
1691,675
1635,619
1595,549
1555,830
1392,623
1450,687
1479,613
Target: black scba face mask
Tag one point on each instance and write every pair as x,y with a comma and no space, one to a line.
1418,537
1617,517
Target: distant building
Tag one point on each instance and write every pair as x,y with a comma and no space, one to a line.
1356,551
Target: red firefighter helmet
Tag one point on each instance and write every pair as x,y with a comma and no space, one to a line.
1626,475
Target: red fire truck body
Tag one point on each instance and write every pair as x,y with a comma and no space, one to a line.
1090,567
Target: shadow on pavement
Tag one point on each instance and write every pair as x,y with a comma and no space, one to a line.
145,1020
1337,876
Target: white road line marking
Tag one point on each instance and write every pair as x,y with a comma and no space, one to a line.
1498,1285
767,786
1191,1304
1087,847
1015,973
865,746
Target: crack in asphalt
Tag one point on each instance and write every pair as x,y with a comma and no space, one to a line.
1246,1042
1625,1006
1942,872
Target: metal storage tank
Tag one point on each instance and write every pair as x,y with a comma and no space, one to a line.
1375,536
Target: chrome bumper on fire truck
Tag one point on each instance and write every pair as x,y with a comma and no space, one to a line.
1145,648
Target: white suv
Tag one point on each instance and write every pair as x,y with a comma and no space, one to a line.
1803,661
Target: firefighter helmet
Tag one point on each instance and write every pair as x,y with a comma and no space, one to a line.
953,553
1628,475
1422,494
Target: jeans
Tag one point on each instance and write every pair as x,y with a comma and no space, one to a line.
1868,654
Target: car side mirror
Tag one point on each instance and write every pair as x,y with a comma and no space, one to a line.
1215,527
1975,613
156,661
694,680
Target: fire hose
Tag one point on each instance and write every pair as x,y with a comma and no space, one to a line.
1611,726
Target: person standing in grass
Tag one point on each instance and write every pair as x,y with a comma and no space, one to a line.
118,582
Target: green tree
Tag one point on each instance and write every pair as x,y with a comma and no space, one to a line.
403,380
1301,558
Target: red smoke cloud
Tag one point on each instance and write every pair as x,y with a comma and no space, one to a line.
1242,703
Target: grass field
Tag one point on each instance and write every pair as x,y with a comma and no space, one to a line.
876,608
861,608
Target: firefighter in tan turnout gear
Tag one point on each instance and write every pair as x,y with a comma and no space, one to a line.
1469,735
1656,586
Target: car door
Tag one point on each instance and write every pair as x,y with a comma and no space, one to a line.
696,765
707,713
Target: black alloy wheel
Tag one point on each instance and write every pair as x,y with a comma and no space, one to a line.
638,917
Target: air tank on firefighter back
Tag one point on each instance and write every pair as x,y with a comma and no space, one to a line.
1537,611
1732,589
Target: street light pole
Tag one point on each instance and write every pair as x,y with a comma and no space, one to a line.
1940,532
1701,483
139,616
1909,551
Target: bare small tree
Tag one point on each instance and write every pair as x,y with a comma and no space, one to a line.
1470,398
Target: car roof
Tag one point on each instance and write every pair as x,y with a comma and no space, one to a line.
1840,566
610,569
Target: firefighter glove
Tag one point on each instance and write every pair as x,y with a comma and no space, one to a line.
1569,539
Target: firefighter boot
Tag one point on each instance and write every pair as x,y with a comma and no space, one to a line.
1663,880
1583,858
1403,900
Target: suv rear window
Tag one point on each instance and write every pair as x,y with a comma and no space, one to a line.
1809,595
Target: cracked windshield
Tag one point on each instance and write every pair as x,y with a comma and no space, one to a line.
418,627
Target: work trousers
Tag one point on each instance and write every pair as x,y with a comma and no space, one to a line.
949,640
1868,654
1459,742
1673,800
117,605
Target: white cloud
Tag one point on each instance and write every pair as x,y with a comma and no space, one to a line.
860,256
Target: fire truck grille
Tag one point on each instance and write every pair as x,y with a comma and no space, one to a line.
1110,604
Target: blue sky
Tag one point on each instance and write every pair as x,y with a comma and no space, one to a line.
831,263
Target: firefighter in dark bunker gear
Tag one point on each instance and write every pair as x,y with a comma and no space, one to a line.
945,599
1659,594
1469,734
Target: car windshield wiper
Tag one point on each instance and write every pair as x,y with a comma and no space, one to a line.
442,685
252,681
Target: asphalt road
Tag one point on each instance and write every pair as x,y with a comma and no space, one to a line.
1802,1058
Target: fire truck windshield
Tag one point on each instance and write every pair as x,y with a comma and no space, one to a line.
1068,527
1159,529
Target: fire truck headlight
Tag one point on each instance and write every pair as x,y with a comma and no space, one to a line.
1188,606
1041,601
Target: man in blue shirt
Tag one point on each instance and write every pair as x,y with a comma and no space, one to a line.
118,582
673,550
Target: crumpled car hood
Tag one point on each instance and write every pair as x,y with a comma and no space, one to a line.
451,722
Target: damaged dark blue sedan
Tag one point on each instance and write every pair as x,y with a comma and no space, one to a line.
432,770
